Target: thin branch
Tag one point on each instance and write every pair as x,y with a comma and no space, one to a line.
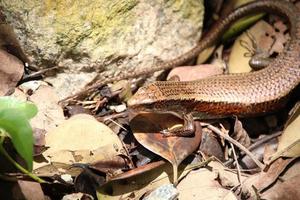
240,146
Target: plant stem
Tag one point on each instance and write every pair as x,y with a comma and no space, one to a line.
17,165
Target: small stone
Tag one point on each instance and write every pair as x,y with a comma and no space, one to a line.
164,192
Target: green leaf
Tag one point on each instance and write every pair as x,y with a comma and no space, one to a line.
240,25
28,109
17,126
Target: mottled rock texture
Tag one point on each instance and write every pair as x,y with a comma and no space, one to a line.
90,37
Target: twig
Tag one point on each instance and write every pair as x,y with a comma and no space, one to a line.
237,165
113,116
240,146
38,73
264,140
116,123
236,160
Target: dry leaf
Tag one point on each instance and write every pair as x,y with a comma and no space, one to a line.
50,114
81,132
81,139
202,184
210,146
136,186
205,54
11,71
240,134
146,129
190,73
9,40
289,142
238,63
28,190
266,178
54,169
139,184
289,189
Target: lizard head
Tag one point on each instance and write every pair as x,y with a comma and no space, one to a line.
146,98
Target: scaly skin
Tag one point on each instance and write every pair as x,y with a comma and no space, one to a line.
241,94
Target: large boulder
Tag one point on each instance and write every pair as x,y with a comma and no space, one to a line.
91,37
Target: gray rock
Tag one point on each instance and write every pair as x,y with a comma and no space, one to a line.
86,38
164,192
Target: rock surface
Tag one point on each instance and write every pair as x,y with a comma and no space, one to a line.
89,37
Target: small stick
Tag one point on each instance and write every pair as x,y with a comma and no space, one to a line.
237,165
38,73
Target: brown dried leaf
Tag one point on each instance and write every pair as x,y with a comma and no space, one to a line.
204,184
240,134
44,97
81,139
146,129
139,170
11,71
280,37
289,189
28,190
39,141
140,184
190,73
210,146
145,180
205,54
9,40
268,177
53,169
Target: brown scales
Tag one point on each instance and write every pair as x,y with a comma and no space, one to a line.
238,94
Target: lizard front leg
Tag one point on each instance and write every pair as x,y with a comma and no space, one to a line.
186,129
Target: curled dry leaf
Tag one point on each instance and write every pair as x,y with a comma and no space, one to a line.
11,71
146,179
146,128
136,185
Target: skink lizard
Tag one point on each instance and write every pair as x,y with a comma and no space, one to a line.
241,94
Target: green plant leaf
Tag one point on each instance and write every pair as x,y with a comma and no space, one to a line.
240,25
17,126
28,109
